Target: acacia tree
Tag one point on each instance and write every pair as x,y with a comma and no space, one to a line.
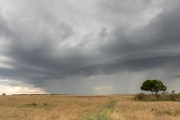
154,86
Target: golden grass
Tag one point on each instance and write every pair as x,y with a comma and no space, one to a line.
57,107
49,107
127,109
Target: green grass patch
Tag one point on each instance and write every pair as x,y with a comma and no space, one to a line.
35,105
30,105
102,112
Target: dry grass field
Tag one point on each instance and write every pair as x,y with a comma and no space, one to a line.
62,107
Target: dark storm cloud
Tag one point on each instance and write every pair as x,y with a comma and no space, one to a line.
4,28
45,46
148,46
123,6
161,35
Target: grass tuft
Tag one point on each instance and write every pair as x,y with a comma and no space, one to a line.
30,105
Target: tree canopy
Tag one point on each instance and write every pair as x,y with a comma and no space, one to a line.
154,86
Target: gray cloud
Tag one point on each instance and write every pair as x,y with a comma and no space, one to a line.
123,6
52,43
103,32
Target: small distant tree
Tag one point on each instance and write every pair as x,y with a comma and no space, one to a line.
154,86
173,92
3,94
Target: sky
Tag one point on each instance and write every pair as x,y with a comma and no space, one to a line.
88,46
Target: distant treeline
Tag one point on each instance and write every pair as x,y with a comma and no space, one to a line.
40,94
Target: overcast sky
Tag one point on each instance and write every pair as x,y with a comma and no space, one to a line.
88,46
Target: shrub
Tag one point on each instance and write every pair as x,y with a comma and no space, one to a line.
173,92
3,94
30,105
140,96
162,97
174,97
45,104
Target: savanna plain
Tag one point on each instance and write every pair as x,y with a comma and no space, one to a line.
73,107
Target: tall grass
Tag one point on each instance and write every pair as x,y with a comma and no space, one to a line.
128,109
48,107
112,107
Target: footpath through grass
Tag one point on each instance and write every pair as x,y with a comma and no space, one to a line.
101,112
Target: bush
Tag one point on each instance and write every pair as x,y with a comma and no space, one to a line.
174,97
30,105
3,94
45,104
162,97
140,96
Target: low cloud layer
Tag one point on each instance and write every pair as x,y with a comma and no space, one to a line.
90,47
